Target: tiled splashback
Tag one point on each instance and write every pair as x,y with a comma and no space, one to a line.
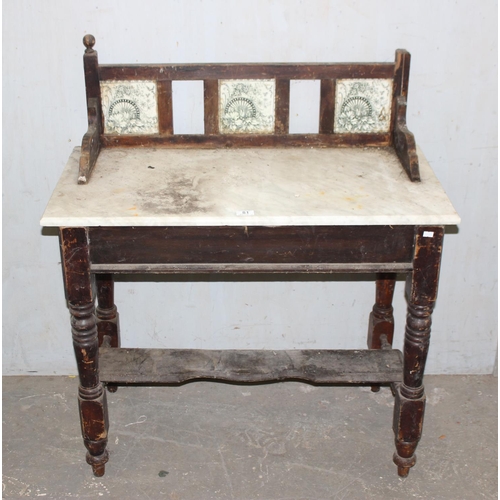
362,105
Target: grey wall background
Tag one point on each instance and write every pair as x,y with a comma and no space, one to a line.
452,112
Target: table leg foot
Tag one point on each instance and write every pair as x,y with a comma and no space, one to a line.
404,464
98,463
403,471
408,421
94,421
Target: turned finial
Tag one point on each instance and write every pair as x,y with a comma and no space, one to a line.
88,41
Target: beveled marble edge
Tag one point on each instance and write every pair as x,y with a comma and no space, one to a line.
395,220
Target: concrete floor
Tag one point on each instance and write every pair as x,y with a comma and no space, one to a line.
285,441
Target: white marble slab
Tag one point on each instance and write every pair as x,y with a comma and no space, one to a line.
235,187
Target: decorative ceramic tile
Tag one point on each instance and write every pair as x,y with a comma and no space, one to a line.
363,105
246,106
129,107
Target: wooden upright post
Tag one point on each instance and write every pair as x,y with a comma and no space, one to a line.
421,290
80,297
91,143
381,318
402,138
108,326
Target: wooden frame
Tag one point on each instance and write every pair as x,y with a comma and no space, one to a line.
98,252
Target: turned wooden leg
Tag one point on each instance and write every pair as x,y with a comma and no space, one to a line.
421,291
108,326
91,395
381,322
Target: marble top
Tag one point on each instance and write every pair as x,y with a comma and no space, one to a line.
247,187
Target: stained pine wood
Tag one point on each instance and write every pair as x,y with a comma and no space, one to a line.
402,73
76,266
327,106
401,81
381,321
106,311
381,318
165,107
304,71
211,109
402,139
108,324
407,427
404,142
170,366
248,141
252,245
91,142
91,69
79,294
422,288
421,291
282,106
251,268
